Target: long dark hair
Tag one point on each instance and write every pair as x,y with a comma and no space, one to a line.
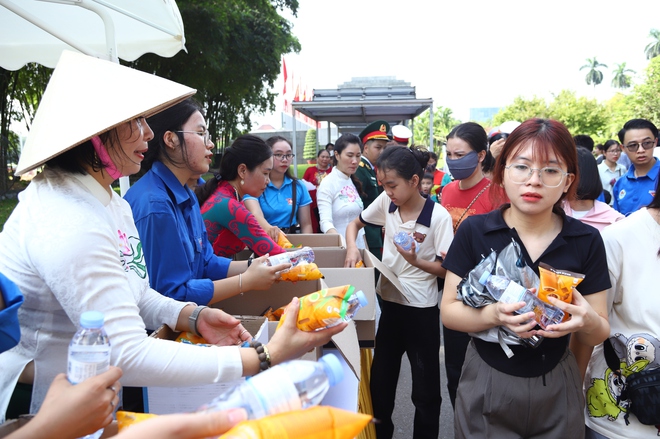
340,145
248,150
171,119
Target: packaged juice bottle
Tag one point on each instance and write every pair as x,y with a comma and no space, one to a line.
328,307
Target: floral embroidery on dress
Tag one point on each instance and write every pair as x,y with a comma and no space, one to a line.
349,193
131,254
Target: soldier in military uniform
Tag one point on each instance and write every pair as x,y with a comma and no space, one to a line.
374,137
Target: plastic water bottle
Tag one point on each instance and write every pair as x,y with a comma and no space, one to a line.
89,352
404,240
294,385
507,291
304,255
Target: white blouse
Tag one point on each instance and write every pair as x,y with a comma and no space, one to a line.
71,247
339,203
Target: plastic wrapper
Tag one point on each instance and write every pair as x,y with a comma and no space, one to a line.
318,422
324,309
308,271
557,283
283,241
126,419
190,338
509,263
359,264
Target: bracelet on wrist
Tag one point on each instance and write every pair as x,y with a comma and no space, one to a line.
263,354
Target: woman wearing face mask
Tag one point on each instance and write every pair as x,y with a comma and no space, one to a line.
469,194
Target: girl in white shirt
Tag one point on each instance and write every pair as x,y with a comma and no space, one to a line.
338,195
409,321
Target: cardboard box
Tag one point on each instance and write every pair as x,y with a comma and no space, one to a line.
280,294
320,240
166,400
331,264
12,425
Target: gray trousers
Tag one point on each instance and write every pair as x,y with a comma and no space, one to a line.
492,404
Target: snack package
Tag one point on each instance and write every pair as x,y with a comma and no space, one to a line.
557,283
318,422
190,338
274,316
328,307
284,242
126,419
302,271
359,264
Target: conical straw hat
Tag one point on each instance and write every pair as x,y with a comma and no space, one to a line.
87,96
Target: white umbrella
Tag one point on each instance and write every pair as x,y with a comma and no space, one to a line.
38,30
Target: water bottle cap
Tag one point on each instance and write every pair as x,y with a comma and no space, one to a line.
91,319
484,278
362,298
332,368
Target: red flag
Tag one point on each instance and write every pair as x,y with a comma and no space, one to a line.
286,76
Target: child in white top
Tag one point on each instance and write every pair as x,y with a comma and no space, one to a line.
409,321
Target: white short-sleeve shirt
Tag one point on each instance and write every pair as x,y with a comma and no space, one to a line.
433,228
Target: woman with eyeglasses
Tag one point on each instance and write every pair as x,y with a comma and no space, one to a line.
71,246
536,392
610,170
285,204
175,243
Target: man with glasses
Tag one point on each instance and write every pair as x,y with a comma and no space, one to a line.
637,187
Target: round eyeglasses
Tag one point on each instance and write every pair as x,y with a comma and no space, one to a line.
283,157
206,135
549,176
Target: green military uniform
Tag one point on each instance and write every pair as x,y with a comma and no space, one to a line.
366,173
367,176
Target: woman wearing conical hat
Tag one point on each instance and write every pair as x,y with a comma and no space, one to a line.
71,245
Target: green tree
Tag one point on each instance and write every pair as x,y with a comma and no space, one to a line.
644,100
311,145
618,111
522,109
234,53
621,79
594,76
443,122
653,48
580,115
21,90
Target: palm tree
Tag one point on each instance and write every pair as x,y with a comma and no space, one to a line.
653,48
594,76
621,79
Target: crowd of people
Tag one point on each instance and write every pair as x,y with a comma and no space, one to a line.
166,251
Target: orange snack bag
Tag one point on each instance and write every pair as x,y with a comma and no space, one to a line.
359,264
190,338
557,283
302,272
126,419
319,422
328,307
283,241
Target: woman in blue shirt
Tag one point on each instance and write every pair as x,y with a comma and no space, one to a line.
276,209
178,254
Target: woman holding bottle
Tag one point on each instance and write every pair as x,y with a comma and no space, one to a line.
535,392
75,248
177,251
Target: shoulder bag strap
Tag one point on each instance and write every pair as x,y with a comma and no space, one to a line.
293,200
458,223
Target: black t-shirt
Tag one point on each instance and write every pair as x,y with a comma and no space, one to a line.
578,248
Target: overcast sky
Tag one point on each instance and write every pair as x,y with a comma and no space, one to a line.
468,54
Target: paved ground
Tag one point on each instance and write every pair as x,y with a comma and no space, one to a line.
404,411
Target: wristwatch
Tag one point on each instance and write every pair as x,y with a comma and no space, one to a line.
192,320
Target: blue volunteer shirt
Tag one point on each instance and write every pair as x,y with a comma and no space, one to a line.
276,203
179,257
630,193
10,330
